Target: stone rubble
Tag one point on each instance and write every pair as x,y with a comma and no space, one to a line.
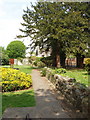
74,92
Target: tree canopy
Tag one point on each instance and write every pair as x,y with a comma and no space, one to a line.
16,49
59,27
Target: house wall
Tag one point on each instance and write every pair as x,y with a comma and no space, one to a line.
25,61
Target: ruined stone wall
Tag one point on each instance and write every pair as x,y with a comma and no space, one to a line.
74,92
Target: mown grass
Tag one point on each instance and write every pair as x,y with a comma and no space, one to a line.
22,68
0,103
25,69
23,98
79,74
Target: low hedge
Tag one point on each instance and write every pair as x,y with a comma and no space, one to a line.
13,79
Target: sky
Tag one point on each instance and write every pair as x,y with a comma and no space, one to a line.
11,12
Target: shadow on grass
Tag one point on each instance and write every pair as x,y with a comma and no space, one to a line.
85,74
32,68
21,98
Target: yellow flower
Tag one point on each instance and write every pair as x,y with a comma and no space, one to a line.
15,78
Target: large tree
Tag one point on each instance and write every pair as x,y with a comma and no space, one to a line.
78,22
16,49
58,27
43,25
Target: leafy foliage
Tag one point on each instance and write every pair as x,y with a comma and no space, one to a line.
36,61
43,72
60,70
87,61
58,27
4,59
39,64
87,64
16,49
47,61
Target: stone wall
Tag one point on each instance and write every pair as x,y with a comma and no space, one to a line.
75,93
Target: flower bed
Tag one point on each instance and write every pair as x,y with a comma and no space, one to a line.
13,79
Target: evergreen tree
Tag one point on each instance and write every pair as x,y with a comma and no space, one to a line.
42,25
78,22
59,27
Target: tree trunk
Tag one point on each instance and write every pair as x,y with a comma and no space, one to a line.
63,62
79,60
62,59
54,62
56,48
56,54
57,60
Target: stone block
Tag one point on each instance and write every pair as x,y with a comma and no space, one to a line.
75,93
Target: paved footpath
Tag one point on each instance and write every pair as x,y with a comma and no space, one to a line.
47,106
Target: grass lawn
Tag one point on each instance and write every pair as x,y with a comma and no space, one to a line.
22,68
26,69
79,74
23,98
0,105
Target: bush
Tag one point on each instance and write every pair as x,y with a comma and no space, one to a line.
47,61
32,58
38,62
4,59
13,79
87,64
43,72
60,70
41,64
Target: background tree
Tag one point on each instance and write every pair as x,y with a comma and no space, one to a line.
78,22
4,59
59,27
42,25
16,49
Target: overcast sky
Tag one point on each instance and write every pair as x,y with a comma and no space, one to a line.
11,12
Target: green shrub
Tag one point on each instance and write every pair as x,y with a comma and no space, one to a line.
43,72
41,64
87,61
60,70
38,62
47,61
35,63
4,59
